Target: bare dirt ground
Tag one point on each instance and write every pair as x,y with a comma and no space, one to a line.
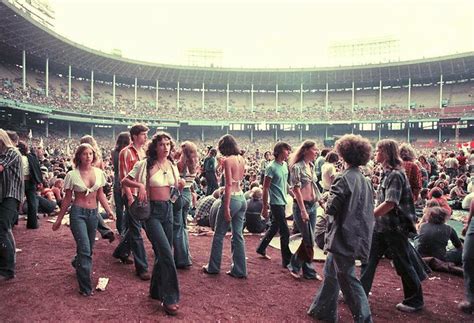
45,287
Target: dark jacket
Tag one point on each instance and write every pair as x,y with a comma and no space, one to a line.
35,172
350,210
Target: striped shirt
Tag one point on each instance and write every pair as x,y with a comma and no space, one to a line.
11,178
128,157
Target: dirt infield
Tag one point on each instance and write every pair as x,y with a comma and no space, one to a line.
45,287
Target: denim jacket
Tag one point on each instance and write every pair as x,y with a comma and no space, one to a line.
350,210
300,178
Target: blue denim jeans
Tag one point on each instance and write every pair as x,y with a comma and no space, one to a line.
8,213
238,205
159,229
182,257
397,243
119,210
339,273
133,242
83,226
307,235
468,263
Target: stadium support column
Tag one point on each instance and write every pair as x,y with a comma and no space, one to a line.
69,130
113,133
276,98
327,97
326,133
439,133
24,70
409,93
202,134
408,131
380,131
47,128
380,96
301,132
441,91
92,130
276,132
301,98
177,97
251,133
251,98
69,84
47,77
202,97
156,94
353,97
136,93
227,99
113,90
177,134
92,87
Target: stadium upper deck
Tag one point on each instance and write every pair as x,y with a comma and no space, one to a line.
18,32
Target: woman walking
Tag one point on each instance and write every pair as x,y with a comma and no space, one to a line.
162,177
86,182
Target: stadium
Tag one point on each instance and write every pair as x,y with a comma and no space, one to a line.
54,90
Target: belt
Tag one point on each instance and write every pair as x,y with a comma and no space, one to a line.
236,193
306,203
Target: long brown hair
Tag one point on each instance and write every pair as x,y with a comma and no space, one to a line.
152,152
392,153
298,155
187,149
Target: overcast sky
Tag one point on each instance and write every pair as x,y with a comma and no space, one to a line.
265,33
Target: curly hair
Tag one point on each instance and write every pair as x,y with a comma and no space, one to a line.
152,152
354,149
80,150
228,146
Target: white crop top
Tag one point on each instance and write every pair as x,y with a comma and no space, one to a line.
159,179
73,181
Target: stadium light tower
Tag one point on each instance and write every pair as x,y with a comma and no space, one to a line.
365,51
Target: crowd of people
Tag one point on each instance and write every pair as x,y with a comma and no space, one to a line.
215,109
354,203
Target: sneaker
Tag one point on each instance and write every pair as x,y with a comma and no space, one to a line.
294,274
407,309
466,307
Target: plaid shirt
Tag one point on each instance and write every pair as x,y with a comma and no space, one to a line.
414,177
396,189
203,207
11,178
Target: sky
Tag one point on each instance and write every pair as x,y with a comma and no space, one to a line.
267,33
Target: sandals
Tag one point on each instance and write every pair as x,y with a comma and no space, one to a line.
171,309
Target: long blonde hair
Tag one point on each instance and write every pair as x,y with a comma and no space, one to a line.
5,141
298,155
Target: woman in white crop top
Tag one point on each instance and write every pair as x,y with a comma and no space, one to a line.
87,184
163,175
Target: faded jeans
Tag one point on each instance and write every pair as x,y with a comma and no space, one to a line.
83,226
339,273
238,205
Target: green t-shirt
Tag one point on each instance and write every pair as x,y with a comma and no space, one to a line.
279,182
